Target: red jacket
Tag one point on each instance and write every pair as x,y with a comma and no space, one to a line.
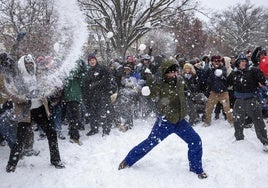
263,65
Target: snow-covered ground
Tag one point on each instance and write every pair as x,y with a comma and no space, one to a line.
228,163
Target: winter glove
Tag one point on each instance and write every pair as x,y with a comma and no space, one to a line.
8,105
258,49
3,57
82,65
218,72
20,35
145,91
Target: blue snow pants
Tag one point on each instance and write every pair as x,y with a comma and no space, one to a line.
163,128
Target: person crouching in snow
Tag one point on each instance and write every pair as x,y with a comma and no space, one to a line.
171,119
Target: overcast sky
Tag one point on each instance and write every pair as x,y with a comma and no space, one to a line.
215,5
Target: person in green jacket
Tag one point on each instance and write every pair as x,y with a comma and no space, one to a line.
171,119
72,96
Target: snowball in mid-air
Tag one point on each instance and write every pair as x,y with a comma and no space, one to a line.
142,47
145,91
110,34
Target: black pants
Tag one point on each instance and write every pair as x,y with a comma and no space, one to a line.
23,130
251,107
99,113
75,118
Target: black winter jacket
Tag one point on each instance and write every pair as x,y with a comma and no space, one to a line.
215,83
97,83
247,80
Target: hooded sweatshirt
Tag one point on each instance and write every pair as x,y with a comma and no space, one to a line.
29,80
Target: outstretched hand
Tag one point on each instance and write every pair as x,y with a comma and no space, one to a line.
3,56
259,48
21,35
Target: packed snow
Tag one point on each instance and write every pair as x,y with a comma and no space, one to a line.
227,162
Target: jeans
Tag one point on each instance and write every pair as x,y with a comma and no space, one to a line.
56,117
8,128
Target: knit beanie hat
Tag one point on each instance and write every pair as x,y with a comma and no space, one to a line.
216,58
91,56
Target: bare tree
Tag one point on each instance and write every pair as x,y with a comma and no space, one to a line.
36,18
161,42
189,35
242,27
129,20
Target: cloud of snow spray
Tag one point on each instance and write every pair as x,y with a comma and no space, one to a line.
72,20
73,30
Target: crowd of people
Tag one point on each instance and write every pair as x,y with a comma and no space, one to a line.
98,97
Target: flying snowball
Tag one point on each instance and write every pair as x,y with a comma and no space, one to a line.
218,72
110,34
142,47
145,91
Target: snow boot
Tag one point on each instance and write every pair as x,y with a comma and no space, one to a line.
76,141
30,152
248,125
60,136
217,115
3,143
203,175
58,165
92,132
10,168
123,128
105,134
224,115
42,136
123,165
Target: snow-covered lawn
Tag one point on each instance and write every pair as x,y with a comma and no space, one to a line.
227,162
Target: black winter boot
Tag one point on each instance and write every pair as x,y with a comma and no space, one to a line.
203,175
58,165
10,168
92,132
123,165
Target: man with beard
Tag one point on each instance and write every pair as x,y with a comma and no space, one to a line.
171,109
30,105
